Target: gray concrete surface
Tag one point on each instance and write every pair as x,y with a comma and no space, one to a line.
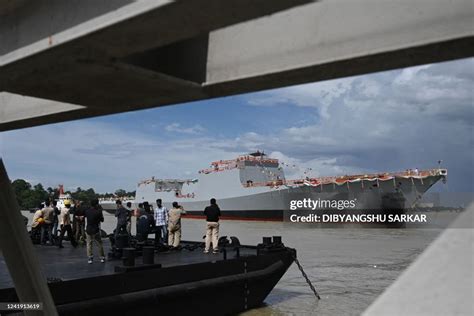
123,56
337,38
440,281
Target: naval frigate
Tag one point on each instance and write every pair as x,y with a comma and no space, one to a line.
254,187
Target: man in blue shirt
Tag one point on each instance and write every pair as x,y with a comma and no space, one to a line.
161,221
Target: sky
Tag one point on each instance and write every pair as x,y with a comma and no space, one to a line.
386,121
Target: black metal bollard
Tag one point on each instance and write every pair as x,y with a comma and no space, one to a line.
122,241
128,257
277,240
267,240
148,255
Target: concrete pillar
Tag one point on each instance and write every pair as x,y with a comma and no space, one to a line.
440,281
15,243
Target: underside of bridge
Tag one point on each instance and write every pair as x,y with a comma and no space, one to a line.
65,60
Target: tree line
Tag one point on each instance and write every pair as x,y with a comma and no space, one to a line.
29,197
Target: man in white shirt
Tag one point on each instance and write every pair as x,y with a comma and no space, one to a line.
65,224
47,227
161,222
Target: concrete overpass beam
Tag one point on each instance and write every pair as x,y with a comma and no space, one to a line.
337,38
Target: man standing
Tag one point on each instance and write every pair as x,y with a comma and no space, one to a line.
47,228
212,213
145,224
65,224
94,217
37,219
161,219
140,210
129,218
138,213
56,213
36,225
174,225
72,211
80,222
121,213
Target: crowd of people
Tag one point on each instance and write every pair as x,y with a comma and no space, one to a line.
51,224
165,224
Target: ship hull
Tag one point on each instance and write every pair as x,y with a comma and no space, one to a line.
392,195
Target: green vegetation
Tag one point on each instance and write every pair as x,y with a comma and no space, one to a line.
118,193
84,195
29,197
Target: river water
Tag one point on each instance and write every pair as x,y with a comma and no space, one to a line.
349,267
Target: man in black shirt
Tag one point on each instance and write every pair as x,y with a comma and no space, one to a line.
94,217
212,213
79,216
145,224
129,218
57,211
122,214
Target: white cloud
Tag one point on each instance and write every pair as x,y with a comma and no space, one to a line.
103,156
316,95
392,120
406,75
178,128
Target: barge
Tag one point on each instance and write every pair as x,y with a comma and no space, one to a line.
148,279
